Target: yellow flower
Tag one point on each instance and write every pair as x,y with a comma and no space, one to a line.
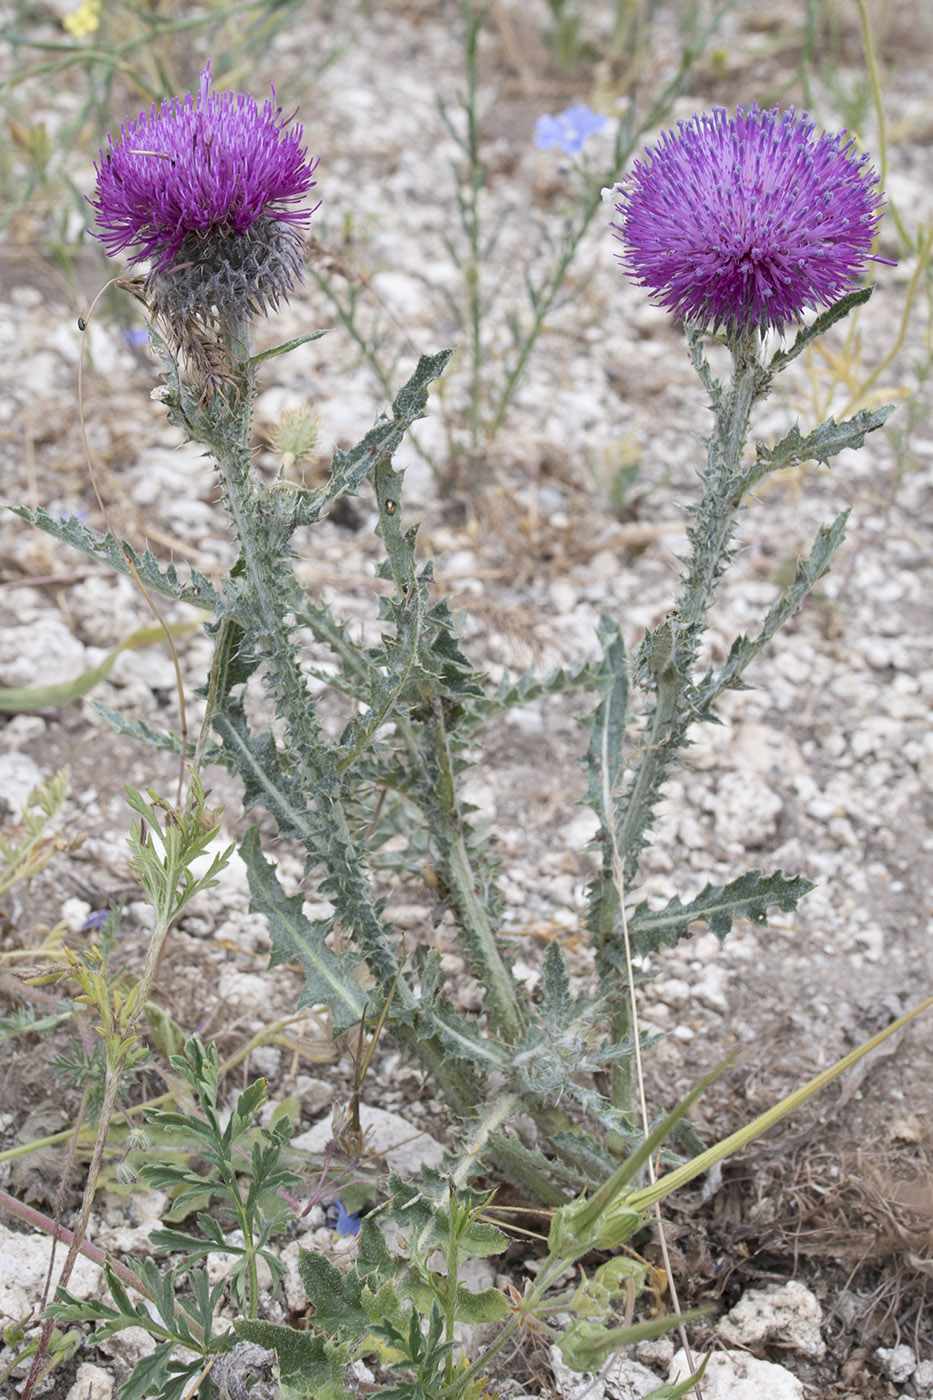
83,21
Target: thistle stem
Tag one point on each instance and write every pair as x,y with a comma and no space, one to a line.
669,656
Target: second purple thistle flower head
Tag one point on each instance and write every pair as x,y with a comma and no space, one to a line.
745,222
212,191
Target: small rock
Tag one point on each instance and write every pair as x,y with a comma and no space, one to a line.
91,1383
314,1095
245,990
25,1266
295,1295
657,1351
923,1380
19,776
386,1135
673,992
266,1059
42,653
710,989
129,1346
734,1375
624,1380
563,595
21,730
630,1380
76,913
898,1363
745,809
787,1314
527,719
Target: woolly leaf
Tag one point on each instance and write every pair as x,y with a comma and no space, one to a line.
338,1309
559,1006
138,729
285,347
308,1362
744,649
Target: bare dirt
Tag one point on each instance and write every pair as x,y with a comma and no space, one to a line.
823,769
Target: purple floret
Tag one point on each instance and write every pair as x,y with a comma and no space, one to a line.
747,221
198,165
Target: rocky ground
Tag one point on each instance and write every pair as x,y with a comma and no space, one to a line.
824,768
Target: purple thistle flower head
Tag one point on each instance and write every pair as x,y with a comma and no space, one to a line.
569,130
746,221
209,189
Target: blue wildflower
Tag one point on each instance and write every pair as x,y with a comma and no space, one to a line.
569,130
347,1224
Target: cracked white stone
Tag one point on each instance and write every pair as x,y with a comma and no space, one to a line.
734,1375
898,1362
91,1383
405,1149
787,1314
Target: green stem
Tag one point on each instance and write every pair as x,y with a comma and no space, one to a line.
471,221
669,656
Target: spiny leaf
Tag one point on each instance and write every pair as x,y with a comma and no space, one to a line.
744,650
138,729
718,906
266,780
329,976
528,687
824,443
285,347
199,590
822,323
349,469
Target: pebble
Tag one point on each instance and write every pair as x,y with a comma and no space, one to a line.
787,1314
622,1379
386,1135
898,1362
746,809
923,1380
734,1375
673,991
248,991
313,1094
25,1266
710,989
19,777
91,1383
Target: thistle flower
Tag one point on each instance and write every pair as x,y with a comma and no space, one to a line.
569,130
207,189
745,221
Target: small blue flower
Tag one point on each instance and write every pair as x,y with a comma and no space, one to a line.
568,131
347,1224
